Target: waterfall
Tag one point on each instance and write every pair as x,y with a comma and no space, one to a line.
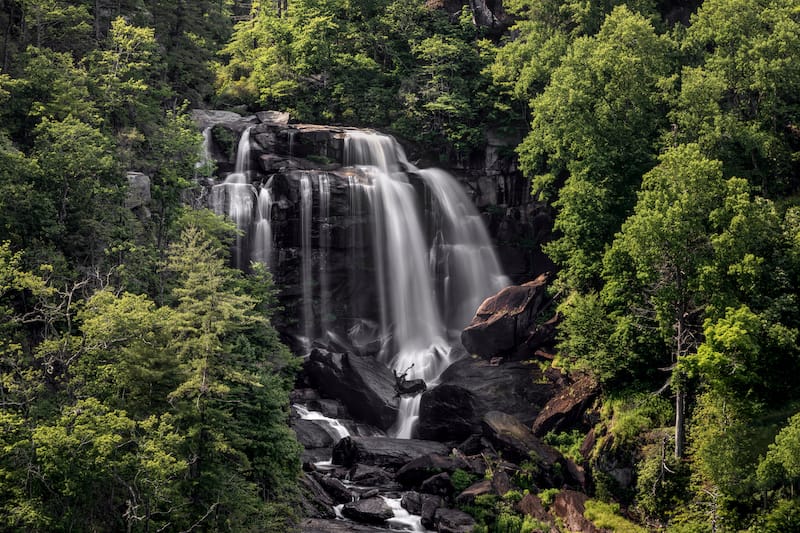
205,166
462,249
324,245
262,239
235,197
306,202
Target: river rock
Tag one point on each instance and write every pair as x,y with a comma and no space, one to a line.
438,484
505,320
387,453
315,525
335,488
569,506
430,505
364,385
413,473
314,500
312,434
453,521
472,387
369,510
371,476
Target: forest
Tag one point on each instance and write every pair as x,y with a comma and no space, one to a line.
143,383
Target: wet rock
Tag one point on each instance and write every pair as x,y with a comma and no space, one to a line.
413,473
369,510
453,521
569,506
315,525
273,117
314,500
364,385
468,495
314,455
471,387
565,410
412,502
335,488
430,504
312,434
439,485
371,476
387,453
505,320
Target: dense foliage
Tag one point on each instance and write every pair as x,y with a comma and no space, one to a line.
142,385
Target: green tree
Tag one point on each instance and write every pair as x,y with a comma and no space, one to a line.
593,130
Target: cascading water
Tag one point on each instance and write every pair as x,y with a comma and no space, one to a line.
262,238
419,347
462,252
235,197
324,245
306,203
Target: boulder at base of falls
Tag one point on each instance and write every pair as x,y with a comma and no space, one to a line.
314,500
311,434
505,320
383,452
370,511
471,387
418,470
335,488
452,521
314,525
364,385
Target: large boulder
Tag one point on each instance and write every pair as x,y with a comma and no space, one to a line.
316,525
453,521
364,385
519,444
369,510
413,473
565,410
472,387
138,193
312,434
314,499
505,320
383,452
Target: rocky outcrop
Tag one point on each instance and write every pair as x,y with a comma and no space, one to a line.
138,196
365,386
505,320
413,473
566,409
569,506
452,521
471,387
314,525
369,510
384,452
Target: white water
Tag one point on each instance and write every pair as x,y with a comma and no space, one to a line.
334,428
324,248
402,519
306,202
235,197
262,238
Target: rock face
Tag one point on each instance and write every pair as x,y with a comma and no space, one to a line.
138,191
471,387
569,506
365,386
505,320
566,409
383,452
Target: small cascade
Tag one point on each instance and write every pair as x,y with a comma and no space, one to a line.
324,246
262,238
334,428
235,197
402,520
205,166
306,203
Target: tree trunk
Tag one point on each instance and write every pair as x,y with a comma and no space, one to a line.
680,398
